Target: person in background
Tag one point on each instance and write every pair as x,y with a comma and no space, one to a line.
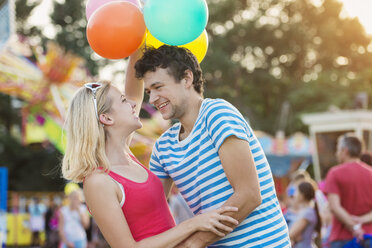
98,241
72,222
296,178
307,220
179,207
326,217
51,223
37,212
349,190
366,158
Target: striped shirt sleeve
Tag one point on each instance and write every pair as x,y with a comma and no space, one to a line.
155,166
224,120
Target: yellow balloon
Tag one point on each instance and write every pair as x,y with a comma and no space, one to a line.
198,47
151,41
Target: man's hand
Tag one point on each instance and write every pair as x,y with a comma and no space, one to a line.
356,219
358,231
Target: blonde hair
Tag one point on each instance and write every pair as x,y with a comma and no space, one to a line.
85,149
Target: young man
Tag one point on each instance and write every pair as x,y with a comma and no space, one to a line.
211,154
349,189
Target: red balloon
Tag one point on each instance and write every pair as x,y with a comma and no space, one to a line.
116,30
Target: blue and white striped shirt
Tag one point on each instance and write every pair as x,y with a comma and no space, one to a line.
196,169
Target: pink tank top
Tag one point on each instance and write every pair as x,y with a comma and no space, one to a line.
145,208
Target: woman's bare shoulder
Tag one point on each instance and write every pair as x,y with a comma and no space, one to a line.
96,180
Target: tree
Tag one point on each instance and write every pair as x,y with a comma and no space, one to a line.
264,53
32,167
70,24
23,10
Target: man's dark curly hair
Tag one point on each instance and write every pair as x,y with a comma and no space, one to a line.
175,59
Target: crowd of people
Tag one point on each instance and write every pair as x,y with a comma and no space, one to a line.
65,222
338,214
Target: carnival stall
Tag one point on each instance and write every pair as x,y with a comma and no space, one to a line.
285,155
326,127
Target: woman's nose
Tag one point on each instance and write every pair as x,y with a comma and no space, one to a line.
133,104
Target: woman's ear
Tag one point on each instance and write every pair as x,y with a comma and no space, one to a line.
106,119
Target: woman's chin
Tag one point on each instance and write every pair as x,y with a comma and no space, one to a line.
139,125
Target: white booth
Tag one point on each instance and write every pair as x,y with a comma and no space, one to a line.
326,127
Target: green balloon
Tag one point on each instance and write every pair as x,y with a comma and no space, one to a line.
175,22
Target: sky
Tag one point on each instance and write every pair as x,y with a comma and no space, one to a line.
361,9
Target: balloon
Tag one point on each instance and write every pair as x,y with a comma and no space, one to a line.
116,30
93,5
151,41
198,47
176,22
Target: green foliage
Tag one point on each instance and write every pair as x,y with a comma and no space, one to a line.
7,115
23,10
31,168
264,53
34,167
68,19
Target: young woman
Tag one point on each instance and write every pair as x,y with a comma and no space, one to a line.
307,220
126,200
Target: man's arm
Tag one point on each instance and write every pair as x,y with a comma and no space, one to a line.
134,88
343,216
239,167
365,218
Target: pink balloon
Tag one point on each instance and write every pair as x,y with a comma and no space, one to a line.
92,5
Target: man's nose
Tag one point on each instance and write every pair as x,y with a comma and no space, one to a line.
153,98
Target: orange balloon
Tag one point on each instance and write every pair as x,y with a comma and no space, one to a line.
116,30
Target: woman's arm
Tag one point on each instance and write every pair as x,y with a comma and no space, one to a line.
296,230
101,195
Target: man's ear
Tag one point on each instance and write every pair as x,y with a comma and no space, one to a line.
189,78
106,120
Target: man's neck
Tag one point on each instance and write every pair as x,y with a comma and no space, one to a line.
188,121
351,160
